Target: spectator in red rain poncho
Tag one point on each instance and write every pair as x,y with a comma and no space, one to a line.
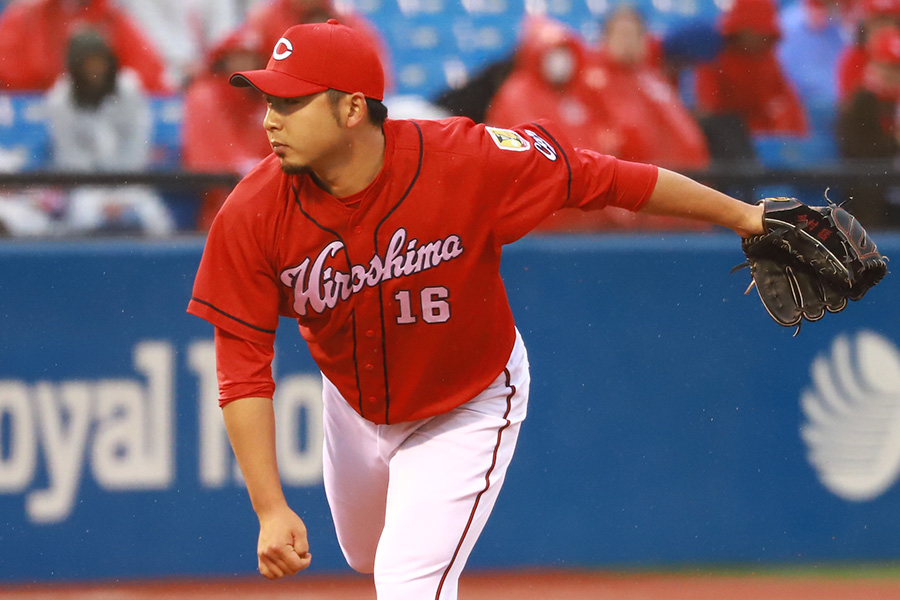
641,101
270,19
548,82
34,34
223,125
746,78
873,15
869,125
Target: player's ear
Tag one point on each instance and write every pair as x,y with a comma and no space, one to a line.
356,111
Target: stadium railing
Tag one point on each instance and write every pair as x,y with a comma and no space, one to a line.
859,181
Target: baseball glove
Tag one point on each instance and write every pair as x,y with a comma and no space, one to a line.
810,260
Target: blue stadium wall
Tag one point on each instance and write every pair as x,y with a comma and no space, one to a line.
667,422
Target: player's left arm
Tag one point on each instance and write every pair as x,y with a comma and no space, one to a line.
679,196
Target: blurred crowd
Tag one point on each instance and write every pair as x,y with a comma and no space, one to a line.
692,97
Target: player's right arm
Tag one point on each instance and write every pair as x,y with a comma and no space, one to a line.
237,290
282,548
246,387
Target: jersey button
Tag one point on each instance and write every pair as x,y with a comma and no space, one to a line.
370,333
373,400
369,366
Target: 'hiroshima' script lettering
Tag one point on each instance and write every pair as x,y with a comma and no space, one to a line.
320,287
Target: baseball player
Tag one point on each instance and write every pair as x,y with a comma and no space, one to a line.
383,238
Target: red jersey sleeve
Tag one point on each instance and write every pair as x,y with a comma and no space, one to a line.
236,288
535,171
243,369
608,181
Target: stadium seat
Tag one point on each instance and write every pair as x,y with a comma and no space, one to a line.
787,151
24,139
168,115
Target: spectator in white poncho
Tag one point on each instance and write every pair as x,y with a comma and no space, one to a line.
100,120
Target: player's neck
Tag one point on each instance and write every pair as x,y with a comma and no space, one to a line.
357,166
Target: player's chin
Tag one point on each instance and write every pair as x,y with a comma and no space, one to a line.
294,169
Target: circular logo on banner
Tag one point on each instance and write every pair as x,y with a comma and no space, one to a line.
283,49
852,416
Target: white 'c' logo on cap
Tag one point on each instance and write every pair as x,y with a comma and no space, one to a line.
283,49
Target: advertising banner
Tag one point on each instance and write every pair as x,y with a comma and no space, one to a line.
671,421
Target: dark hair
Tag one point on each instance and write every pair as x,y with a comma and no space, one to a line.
378,112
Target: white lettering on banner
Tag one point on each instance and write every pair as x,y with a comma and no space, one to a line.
215,457
321,286
18,466
64,415
132,445
298,414
121,432
298,417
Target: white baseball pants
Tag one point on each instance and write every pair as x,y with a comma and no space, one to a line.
409,500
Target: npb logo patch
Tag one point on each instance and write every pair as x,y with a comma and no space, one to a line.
507,139
852,416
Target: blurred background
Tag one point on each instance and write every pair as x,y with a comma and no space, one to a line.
671,422
116,115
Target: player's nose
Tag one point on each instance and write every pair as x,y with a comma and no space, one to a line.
271,121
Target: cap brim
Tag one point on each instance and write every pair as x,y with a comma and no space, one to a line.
275,83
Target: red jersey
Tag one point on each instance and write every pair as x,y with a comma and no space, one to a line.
400,299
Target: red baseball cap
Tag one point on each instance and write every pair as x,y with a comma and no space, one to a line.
314,57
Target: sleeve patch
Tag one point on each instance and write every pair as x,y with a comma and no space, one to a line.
507,139
542,145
